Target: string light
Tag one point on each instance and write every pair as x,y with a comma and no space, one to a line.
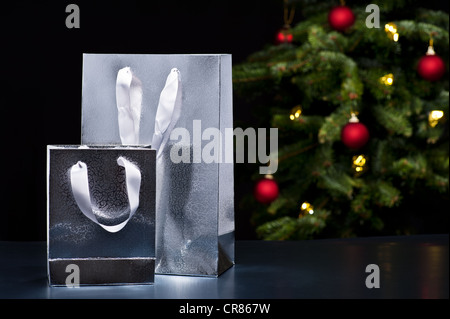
391,31
295,112
434,117
306,208
387,79
359,163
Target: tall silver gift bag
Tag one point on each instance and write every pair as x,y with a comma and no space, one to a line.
184,107
101,215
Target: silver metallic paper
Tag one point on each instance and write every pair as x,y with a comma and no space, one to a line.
124,256
194,201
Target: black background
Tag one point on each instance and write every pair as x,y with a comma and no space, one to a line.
41,78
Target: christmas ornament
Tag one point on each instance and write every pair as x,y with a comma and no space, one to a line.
434,117
306,208
359,163
285,35
295,112
391,31
387,79
354,134
431,67
266,190
341,18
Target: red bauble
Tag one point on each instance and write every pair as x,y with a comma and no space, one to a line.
266,190
284,36
354,135
341,18
431,67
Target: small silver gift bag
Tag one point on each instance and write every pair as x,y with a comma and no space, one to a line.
184,107
101,215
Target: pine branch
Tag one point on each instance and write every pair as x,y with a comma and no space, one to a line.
394,121
438,18
337,182
385,194
330,131
294,228
411,29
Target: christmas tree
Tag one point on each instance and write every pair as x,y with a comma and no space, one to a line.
361,116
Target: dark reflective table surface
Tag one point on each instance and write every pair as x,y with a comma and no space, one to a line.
409,267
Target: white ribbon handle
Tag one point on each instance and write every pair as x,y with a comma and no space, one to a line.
168,112
81,193
129,106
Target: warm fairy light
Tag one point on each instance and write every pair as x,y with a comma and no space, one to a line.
395,37
359,163
388,79
390,27
391,31
306,208
434,117
295,113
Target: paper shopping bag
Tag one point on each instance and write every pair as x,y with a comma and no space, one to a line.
101,215
181,105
